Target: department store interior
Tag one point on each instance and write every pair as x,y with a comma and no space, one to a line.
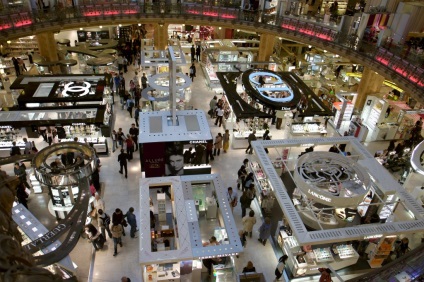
317,119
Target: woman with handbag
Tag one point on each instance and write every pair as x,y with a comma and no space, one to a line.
118,218
94,236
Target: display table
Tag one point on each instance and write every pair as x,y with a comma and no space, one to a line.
240,138
98,143
5,147
308,128
307,263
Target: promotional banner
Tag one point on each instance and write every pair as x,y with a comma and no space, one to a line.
154,159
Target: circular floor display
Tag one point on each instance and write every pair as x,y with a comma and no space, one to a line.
271,89
331,179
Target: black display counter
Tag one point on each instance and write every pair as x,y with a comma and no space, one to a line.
39,90
241,108
283,91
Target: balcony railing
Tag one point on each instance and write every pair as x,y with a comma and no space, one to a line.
400,61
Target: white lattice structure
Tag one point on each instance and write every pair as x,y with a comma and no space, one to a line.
378,174
189,237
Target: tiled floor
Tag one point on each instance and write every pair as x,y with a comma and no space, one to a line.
123,193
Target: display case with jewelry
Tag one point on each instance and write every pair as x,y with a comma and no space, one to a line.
264,190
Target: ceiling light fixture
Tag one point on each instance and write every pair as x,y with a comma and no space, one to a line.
101,26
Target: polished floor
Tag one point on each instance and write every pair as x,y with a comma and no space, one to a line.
123,193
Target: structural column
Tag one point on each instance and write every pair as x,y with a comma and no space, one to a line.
161,36
266,47
371,83
48,49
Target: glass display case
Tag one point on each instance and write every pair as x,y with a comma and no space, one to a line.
323,255
5,147
264,190
308,128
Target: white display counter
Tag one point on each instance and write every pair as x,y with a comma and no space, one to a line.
307,263
308,128
5,147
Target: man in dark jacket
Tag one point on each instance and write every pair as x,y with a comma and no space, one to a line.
21,173
132,222
134,135
15,150
122,159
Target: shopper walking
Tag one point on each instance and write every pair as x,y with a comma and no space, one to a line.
244,202
118,218
120,137
94,236
279,270
232,198
130,147
137,95
226,140
241,176
28,146
137,114
117,232
22,195
209,151
103,221
114,140
192,72
134,135
250,138
265,231
144,81
248,222
193,53
212,106
130,216
248,181
20,172
122,159
219,115
198,50
130,105
98,204
217,144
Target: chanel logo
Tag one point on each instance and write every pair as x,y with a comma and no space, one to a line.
76,90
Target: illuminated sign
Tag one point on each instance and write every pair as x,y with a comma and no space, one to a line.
321,197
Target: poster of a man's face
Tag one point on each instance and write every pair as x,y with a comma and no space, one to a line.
174,159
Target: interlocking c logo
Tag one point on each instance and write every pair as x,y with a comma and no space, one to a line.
77,90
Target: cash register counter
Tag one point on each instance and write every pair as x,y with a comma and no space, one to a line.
307,262
240,138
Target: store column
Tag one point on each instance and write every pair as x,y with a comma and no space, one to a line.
266,47
371,83
161,36
48,49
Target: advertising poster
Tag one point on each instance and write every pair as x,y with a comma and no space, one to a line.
174,164
154,159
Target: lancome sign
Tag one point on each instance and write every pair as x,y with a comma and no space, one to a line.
319,196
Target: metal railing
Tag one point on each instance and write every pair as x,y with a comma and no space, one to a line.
395,61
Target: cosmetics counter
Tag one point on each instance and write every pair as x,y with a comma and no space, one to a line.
307,128
307,259
6,146
31,229
264,190
178,221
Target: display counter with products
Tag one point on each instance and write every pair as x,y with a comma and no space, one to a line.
5,147
178,246
308,128
307,260
264,190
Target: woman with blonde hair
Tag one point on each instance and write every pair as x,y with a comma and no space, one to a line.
226,138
